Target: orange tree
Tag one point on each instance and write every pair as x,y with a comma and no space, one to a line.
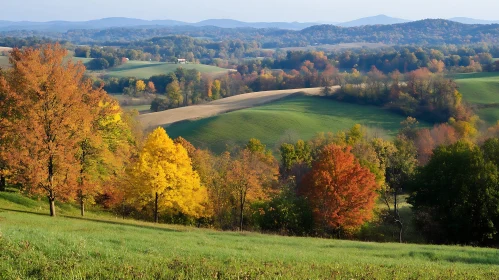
53,113
340,191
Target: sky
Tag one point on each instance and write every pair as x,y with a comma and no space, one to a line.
250,10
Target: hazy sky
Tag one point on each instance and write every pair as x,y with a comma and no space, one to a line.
246,10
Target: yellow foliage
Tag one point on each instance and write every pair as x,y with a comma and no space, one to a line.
140,86
164,168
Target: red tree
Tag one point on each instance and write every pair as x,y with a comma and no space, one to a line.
341,192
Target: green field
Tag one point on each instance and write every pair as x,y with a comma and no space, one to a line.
481,89
4,61
290,119
146,69
35,246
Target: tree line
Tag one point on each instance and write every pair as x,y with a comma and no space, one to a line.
423,32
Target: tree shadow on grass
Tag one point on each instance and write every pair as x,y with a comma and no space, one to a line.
109,222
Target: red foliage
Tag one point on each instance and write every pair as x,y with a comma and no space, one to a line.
427,140
341,192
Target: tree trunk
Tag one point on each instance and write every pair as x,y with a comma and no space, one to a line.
3,184
156,209
398,220
241,213
52,205
82,206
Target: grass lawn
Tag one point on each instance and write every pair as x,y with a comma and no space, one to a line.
481,89
35,246
146,69
290,119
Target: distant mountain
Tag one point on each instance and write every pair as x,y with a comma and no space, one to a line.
466,20
230,23
122,22
64,26
375,20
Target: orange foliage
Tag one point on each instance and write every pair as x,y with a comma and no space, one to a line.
54,102
427,140
342,193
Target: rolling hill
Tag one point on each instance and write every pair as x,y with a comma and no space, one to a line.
482,90
102,246
289,119
146,69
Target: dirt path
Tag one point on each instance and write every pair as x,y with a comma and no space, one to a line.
217,107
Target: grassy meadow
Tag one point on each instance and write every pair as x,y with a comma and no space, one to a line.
482,90
146,69
289,119
4,61
35,246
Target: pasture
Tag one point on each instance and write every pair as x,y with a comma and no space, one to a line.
4,61
219,106
286,120
482,90
101,246
146,69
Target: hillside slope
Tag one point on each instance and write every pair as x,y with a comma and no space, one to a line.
36,246
217,107
286,120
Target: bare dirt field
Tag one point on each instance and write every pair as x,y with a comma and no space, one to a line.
220,106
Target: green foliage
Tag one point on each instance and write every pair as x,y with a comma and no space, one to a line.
286,214
456,195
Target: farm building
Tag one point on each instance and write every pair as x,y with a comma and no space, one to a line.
181,61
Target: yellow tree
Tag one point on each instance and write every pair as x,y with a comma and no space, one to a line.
140,86
215,89
52,95
163,173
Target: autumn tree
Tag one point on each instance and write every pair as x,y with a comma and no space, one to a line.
106,146
341,192
151,88
8,114
174,92
163,174
250,176
52,95
216,89
140,86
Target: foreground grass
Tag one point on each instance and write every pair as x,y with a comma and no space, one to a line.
35,246
290,119
146,69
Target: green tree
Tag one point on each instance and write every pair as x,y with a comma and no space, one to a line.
174,92
456,196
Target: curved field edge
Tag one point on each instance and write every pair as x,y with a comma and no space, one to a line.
220,106
145,69
285,120
39,247
481,90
